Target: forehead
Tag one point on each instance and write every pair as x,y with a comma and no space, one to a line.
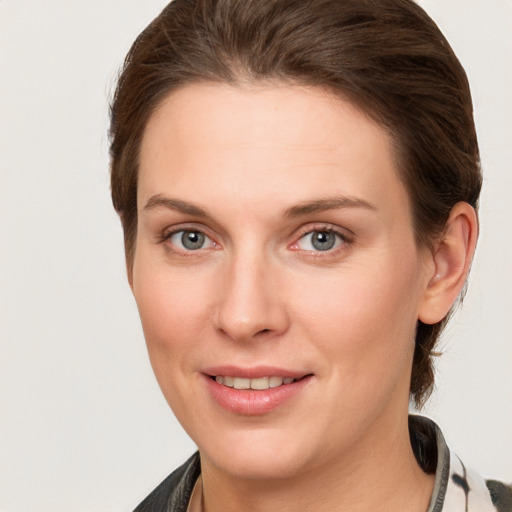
265,112
264,143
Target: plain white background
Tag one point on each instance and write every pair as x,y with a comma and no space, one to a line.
83,424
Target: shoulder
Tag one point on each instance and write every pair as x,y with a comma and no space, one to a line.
173,494
457,488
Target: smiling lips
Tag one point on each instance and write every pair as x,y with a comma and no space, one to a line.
253,394
260,383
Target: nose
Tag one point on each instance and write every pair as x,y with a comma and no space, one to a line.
250,302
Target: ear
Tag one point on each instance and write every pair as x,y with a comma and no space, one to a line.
451,258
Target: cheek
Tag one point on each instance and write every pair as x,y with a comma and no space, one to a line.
364,317
173,308
173,312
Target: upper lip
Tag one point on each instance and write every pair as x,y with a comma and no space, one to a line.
253,372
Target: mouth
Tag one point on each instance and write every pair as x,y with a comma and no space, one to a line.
255,390
260,383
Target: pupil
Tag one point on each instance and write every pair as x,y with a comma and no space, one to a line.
192,240
323,240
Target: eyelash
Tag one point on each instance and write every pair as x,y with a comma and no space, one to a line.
342,236
166,236
343,240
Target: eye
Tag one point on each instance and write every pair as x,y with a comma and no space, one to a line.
324,240
190,240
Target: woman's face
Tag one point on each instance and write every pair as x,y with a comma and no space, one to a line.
275,244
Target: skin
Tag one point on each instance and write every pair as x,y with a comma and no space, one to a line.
245,161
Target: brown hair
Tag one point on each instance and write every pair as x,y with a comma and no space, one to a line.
386,56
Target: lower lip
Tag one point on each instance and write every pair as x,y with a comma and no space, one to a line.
252,402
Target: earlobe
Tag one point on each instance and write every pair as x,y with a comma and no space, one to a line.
452,257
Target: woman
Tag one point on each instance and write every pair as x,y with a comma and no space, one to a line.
298,184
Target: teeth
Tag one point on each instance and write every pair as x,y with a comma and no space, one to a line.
260,383
275,382
240,383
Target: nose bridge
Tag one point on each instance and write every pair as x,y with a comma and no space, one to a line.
249,302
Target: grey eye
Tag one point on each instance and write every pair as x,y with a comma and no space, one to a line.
320,241
190,240
323,240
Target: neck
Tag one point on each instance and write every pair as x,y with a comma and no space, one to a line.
378,474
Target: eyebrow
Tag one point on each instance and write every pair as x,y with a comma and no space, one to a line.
330,203
301,209
174,204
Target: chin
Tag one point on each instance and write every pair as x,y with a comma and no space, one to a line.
258,455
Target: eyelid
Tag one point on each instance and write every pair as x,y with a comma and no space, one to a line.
166,234
344,234
208,243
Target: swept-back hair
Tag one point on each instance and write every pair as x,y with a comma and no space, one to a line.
385,56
